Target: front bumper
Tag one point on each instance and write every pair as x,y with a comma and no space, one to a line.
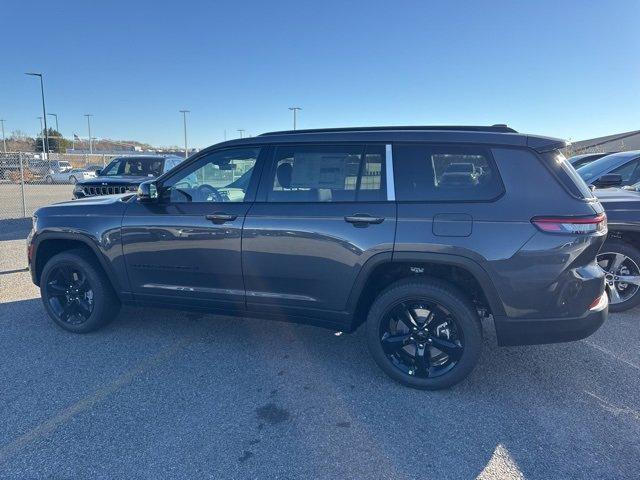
511,331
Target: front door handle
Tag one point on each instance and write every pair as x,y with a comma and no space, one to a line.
362,220
221,217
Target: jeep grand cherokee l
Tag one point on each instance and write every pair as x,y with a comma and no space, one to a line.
417,232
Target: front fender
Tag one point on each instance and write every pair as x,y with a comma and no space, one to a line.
106,246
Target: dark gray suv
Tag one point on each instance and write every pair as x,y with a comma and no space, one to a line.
418,232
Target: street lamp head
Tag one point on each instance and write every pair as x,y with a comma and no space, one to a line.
33,74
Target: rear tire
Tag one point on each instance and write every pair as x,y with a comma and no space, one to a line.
76,292
630,266
445,305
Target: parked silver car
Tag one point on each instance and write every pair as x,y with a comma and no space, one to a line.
69,176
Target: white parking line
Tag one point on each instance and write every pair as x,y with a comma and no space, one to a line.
611,354
45,428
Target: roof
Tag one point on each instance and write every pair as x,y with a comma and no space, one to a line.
500,128
490,135
146,157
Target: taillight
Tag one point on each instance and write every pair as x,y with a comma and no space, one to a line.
572,225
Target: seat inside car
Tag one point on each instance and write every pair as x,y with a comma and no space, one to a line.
284,175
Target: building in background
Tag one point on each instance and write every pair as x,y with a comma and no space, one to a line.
611,143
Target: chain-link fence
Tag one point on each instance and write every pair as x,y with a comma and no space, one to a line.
29,180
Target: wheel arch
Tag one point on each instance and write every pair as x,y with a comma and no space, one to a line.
384,268
48,244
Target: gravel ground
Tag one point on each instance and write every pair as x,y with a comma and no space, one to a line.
161,394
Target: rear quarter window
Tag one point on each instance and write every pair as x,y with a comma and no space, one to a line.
445,173
567,175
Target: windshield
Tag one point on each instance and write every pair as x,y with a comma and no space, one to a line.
597,167
135,167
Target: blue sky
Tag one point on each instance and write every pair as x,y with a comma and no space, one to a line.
567,69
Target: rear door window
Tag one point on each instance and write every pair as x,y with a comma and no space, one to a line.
451,173
327,173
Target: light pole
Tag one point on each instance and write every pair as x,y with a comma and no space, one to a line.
44,110
41,135
4,142
295,111
184,123
89,115
240,131
55,115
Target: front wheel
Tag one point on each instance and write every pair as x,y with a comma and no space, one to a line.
76,293
621,262
424,333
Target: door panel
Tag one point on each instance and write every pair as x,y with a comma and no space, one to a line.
185,247
322,213
176,252
307,255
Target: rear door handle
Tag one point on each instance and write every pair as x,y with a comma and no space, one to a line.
362,220
221,217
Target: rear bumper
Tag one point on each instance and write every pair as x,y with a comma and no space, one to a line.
511,331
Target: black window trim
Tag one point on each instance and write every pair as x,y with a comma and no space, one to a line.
488,147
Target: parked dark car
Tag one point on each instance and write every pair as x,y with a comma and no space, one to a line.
418,232
626,165
620,255
124,174
578,161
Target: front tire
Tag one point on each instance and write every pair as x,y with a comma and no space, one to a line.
76,293
621,261
424,333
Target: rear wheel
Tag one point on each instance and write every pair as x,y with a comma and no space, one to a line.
424,333
621,262
76,293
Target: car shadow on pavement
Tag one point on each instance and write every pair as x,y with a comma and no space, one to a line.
299,395
14,228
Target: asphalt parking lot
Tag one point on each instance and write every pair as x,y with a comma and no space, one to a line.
162,394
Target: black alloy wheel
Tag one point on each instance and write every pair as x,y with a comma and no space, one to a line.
69,294
421,338
76,292
424,333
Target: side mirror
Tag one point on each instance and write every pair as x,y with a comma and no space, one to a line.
98,172
147,192
609,180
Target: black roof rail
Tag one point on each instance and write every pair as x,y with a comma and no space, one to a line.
498,128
